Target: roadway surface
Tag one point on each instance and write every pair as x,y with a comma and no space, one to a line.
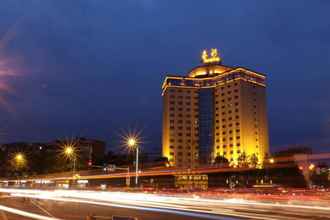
67,204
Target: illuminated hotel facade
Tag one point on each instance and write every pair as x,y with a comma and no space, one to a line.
214,111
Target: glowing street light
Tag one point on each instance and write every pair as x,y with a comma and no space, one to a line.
19,157
271,160
70,152
19,160
311,166
132,143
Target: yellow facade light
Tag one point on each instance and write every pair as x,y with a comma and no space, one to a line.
271,160
212,57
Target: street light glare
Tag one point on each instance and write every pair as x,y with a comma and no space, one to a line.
131,142
311,166
68,150
19,157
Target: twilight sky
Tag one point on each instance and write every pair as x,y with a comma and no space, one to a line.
94,67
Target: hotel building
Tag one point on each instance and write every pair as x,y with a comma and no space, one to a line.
214,110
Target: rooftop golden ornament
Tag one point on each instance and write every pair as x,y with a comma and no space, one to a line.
212,57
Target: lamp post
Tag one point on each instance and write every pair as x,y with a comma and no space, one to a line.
133,143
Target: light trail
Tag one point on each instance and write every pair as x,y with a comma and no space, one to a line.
26,214
208,208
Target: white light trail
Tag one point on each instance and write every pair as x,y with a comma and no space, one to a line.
26,214
168,204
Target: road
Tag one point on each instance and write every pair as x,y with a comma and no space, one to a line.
71,204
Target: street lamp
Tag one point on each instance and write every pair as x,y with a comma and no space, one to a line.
311,167
132,143
19,160
70,152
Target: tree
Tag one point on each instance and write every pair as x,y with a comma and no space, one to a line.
221,161
242,160
253,160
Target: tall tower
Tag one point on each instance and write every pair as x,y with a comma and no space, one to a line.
214,111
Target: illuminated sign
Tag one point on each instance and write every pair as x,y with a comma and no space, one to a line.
212,57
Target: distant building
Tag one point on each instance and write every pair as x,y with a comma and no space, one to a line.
215,110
